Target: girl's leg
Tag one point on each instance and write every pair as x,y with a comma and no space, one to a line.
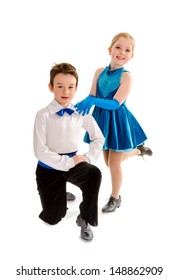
127,155
113,161
106,156
139,151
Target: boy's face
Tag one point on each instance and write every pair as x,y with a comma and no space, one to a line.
64,88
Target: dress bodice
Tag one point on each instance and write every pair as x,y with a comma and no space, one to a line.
109,82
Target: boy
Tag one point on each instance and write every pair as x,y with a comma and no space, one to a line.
56,135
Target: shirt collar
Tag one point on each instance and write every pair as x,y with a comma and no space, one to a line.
54,107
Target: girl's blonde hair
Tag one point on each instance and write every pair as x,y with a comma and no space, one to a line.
125,35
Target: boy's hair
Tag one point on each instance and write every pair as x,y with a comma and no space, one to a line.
64,68
125,35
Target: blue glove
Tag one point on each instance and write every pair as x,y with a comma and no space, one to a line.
84,106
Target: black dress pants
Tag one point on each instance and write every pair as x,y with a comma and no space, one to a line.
51,186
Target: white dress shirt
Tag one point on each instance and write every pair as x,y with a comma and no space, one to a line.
54,135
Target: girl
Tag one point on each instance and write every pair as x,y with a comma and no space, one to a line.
124,137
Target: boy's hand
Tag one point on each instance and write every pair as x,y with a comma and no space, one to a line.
78,158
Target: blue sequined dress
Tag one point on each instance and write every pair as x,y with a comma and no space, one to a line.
120,128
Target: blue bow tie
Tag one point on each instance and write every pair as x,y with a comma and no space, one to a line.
62,111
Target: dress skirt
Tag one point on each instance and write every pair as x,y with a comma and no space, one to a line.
120,128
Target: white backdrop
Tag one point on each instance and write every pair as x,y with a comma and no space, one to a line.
143,232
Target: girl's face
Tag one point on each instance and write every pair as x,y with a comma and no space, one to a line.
64,88
121,52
